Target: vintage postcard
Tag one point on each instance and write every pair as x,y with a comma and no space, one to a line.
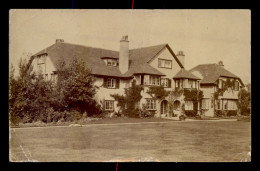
129,85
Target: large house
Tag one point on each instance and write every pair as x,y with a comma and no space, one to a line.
149,66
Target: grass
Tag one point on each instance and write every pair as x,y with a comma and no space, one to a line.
93,121
201,141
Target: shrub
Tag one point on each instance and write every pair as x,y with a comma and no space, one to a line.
190,113
76,115
232,113
66,116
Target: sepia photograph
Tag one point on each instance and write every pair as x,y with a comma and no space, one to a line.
103,85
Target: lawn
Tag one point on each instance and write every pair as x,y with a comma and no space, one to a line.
199,141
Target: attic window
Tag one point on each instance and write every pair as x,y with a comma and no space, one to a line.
163,63
110,61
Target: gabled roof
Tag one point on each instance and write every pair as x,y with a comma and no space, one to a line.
183,73
212,72
138,58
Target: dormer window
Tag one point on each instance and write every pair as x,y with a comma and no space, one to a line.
110,61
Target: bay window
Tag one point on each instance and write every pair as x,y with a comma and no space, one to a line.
151,80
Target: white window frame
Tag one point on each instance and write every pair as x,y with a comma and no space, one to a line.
220,84
151,104
177,82
109,105
188,105
164,82
236,86
111,83
225,104
162,63
205,103
151,80
111,62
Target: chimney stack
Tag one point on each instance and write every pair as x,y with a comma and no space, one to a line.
220,63
124,54
180,55
59,40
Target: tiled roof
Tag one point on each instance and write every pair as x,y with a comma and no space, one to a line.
138,58
211,73
185,74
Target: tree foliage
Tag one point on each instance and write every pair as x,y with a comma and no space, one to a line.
31,97
228,84
76,87
158,92
128,101
244,102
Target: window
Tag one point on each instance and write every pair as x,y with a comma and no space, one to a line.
109,105
205,104
236,86
181,83
41,59
151,80
111,83
164,82
232,105
225,103
163,63
177,83
191,83
220,84
188,105
111,62
151,105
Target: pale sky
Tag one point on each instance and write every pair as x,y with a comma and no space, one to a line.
205,36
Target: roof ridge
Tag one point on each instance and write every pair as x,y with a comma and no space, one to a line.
164,44
88,46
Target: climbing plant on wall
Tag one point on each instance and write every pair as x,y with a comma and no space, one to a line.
228,84
194,95
158,92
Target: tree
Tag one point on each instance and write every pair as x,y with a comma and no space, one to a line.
76,87
128,101
244,101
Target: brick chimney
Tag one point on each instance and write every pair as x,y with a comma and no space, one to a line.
220,63
180,55
124,54
59,40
